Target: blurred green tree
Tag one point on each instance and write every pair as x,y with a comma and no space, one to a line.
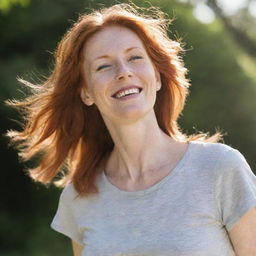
6,5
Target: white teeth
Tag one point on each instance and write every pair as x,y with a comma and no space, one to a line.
127,92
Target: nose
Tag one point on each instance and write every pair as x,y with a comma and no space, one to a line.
123,72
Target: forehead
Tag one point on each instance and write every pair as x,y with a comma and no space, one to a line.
111,40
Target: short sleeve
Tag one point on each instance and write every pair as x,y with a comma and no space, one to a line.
64,220
235,187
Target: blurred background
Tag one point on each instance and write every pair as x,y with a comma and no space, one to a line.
220,41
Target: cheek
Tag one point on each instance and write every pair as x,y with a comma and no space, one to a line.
147,72
102,80
100,86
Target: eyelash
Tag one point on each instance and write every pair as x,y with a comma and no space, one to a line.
101,67
135,57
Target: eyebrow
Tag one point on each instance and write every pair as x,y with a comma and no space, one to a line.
125,51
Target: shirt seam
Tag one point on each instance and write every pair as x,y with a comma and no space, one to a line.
216,173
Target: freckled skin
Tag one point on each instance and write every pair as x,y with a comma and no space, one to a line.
125,62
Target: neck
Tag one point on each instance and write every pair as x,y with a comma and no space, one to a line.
140,147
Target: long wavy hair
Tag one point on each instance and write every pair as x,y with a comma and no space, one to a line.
69,138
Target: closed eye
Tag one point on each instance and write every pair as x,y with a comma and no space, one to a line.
102,67
135,57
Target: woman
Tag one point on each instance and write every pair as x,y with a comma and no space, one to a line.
134,183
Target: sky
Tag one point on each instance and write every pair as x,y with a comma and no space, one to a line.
204,14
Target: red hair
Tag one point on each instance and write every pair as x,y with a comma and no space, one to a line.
70,137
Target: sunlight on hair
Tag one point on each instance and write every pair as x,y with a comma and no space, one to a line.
56,119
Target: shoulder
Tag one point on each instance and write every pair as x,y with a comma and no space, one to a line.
70,197
212,146
220,155
215,150
68,193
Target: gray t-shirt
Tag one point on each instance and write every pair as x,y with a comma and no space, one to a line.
187,213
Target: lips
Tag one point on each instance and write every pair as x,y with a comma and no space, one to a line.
126,88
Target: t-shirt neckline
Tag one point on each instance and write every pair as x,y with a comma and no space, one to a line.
155,186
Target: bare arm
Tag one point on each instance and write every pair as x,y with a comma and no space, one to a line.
243,234
77,248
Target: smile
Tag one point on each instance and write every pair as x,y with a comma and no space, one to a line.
126,92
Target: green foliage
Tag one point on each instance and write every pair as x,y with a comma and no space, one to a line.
223,90
5,5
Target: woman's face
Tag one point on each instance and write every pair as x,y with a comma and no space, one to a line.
121,78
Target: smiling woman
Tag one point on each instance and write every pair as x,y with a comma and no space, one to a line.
135,184
120,77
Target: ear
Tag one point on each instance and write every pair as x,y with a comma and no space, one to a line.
86,98
158,81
